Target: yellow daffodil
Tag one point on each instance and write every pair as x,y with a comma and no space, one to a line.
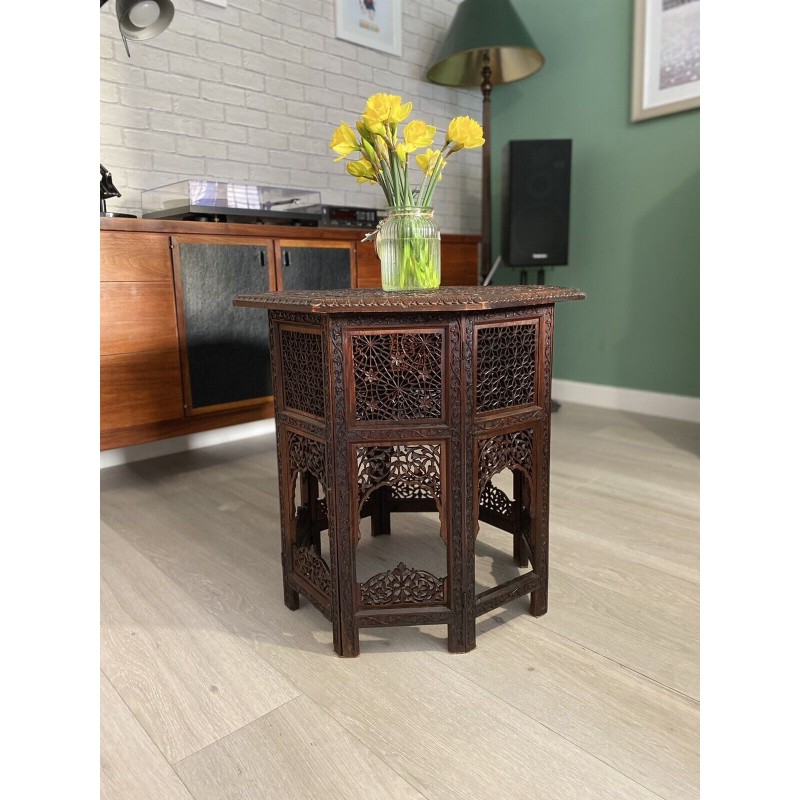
384,158
384,155
427,161
384,109
362,171
464,132
381,148
418,134
366,133
344,141
368,150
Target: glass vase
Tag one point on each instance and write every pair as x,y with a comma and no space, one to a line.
408,244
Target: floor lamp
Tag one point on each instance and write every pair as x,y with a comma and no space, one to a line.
486,45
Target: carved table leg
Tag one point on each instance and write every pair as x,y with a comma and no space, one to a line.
466,638
540,537
343,587
345,625
344,521
461,536
309,494
380,519
521,514
291,598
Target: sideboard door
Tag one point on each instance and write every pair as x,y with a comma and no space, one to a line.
224,350
314,264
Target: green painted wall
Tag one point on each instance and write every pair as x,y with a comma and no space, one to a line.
635,211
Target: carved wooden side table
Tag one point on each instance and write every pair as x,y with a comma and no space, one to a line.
392,402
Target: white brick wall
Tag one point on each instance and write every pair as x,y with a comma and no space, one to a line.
252,92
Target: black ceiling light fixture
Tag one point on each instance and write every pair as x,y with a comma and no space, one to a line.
142,19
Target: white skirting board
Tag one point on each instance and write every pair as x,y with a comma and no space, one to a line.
654,404
179,444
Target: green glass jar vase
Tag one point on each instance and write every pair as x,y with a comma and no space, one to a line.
408,243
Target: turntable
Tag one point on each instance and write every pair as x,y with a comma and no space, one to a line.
219,201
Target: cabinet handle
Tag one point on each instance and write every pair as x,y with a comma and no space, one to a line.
286,258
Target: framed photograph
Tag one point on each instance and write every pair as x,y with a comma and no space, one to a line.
666,57
372,23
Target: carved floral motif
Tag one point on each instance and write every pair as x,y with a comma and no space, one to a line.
496,500
402,585
313,568
412,470
513,450
306,455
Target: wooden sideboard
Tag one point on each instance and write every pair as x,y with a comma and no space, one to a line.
154,336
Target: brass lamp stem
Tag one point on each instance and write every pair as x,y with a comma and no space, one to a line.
486,189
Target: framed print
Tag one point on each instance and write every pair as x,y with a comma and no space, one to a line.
666,57
372,23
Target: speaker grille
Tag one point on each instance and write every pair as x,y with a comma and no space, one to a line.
536,196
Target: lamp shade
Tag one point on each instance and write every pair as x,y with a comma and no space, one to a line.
144,19
480,27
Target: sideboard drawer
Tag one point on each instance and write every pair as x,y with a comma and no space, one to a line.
136,316
134,256
140,388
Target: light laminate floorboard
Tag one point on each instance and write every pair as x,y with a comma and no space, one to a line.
131,766
296,752
447,736
639,727
627,632
187,680
596,699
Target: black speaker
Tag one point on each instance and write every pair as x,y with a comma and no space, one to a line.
536,184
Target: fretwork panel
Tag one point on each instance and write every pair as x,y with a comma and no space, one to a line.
398,376
506,367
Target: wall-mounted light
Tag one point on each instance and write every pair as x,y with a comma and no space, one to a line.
142,19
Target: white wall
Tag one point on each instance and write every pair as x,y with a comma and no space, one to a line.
252,93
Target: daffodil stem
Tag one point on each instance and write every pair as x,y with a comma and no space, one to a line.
431,180
408,251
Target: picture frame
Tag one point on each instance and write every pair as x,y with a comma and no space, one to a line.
666,58
377,24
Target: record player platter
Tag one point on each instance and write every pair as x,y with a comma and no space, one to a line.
219,201
226,214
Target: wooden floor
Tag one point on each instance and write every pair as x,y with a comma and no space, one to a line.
212,689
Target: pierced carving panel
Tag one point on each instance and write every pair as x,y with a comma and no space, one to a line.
506,368
301,358
412,470
496,500
398,376
402,586
306,455
313,568
508,450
